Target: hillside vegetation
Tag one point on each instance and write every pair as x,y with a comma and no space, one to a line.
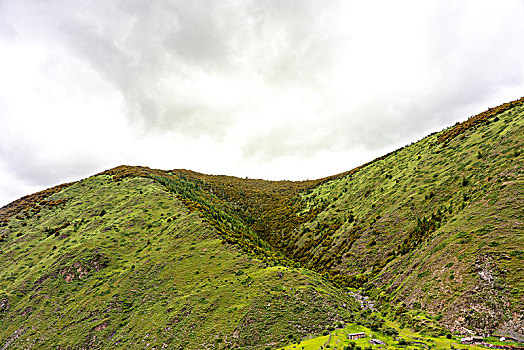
126,263
433,232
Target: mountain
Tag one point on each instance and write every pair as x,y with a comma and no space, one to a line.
146,258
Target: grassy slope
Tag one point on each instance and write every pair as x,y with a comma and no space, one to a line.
436,225
126,264
469,265
338,339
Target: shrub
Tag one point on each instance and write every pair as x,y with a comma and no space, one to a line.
390,331
402,342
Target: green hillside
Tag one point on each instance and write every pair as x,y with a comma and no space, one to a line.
432,232
105,263
437,226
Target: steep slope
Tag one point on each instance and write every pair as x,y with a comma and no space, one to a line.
118,262
433,232
436,225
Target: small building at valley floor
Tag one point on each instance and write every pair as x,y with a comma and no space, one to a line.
472,340
354,336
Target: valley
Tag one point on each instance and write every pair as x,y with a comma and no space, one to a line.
432,233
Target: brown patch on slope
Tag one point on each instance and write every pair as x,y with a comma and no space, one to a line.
32,201
480,118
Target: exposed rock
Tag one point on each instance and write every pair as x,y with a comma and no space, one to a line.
82,269
101,326
485,308
16,334
4,304
364,301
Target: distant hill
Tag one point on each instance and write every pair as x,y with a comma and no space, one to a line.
133,256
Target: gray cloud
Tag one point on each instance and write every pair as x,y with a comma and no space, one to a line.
154,49
245,82
466,67
21,160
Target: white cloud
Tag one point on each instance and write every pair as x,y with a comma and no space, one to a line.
272,89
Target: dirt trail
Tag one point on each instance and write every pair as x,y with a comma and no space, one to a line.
327,342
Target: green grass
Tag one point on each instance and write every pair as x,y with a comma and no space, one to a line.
148,258
481,227
135,266
338,339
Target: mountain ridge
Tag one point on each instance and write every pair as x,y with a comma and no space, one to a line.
434,229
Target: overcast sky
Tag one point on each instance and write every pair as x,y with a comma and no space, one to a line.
266,89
